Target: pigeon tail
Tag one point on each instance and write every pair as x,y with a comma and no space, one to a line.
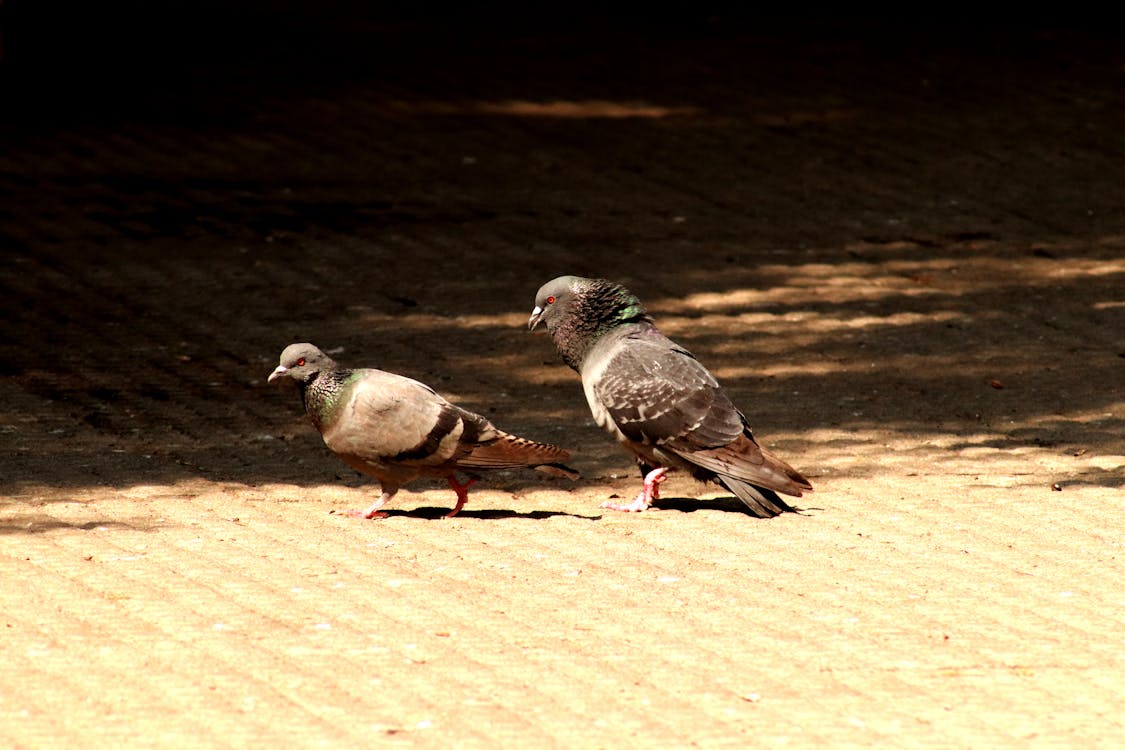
797,483
559,470
509,451
762,502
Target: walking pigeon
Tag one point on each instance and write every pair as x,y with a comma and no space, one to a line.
656,398
396,429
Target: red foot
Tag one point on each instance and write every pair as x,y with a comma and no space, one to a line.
372,512
462,491
650,492
369,513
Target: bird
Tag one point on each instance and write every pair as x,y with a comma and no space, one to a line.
395,429
656,398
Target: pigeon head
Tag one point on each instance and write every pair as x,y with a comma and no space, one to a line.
597,301
554,301
577,311
303,363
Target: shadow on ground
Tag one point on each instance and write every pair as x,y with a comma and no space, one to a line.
932,255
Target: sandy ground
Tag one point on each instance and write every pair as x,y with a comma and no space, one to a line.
901,249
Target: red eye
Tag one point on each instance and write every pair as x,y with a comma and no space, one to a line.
301,362
551,300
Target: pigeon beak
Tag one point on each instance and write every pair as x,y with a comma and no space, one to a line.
280,372
535,319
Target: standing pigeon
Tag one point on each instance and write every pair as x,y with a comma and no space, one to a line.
396,429
656,398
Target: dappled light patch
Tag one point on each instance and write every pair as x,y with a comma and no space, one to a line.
567,109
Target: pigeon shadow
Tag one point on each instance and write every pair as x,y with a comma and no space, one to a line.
725,504
487,514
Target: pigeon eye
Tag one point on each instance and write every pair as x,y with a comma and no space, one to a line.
551,300
301,362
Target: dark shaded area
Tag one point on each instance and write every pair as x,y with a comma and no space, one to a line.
43,524
186,189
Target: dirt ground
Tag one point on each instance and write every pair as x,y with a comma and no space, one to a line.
900,246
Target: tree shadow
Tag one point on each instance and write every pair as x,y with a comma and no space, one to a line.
39,523
1097,477
843,261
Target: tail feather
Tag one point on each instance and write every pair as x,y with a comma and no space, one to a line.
762,502
798,482
746,462
509,451
559,470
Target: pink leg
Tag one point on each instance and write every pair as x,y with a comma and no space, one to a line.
650,492
462,491
373,511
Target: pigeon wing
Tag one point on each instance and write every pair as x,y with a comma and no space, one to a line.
486,447
394,424
657,393
389,419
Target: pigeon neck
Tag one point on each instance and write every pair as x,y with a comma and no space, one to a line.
321,394
604,310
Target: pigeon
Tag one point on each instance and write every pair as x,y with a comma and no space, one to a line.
396,429
656,398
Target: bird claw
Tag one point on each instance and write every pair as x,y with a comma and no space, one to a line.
639,504
650,492
462,491
369,513
372,510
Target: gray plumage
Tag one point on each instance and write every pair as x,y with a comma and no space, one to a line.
396,429
655,397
